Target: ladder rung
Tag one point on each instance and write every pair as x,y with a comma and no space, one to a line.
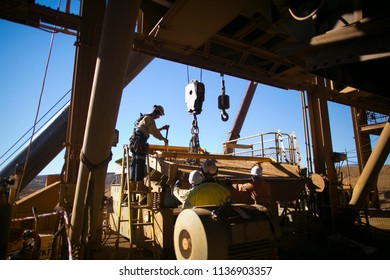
136,205
142,224
141,206
139,192
129,200
144,241
136,220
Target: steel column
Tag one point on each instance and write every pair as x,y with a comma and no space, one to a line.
306,131
111,67
87,46
323,150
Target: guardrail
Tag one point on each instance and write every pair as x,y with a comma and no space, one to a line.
281,147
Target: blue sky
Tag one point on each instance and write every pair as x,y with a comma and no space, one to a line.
24,53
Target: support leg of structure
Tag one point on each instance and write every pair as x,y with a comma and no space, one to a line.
323,153
111,67
366,181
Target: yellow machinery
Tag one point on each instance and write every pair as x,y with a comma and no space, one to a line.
232,231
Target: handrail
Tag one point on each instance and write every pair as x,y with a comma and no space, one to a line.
281,147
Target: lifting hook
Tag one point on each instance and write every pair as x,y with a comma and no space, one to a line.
224,115
223,102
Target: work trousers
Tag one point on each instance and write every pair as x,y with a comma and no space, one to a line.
138,158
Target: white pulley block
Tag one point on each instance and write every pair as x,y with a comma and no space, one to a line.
194,97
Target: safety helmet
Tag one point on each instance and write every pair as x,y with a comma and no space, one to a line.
209,167
195,177
159,109
256,171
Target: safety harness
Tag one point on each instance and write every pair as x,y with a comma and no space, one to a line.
137,140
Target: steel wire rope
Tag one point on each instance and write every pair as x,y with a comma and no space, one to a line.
188,75
364,149
32,128
200,75
364,146
21,145
38,108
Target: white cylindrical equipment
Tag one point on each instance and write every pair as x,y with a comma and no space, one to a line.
199,237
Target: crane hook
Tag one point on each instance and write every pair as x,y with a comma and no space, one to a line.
223,101
224,115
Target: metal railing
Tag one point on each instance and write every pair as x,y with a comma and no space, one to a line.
281,147
375,118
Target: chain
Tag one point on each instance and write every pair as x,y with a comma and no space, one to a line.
194,142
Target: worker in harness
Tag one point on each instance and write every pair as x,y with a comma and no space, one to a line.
143,127
209,192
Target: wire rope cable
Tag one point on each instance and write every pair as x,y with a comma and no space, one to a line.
21,137
38,109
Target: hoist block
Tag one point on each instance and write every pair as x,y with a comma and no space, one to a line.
223,102
194,97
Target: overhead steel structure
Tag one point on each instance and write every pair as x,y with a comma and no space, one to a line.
331,50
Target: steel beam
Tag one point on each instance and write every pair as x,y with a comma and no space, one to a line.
369,175
363,146
241,115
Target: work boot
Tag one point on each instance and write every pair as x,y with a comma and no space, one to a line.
141,187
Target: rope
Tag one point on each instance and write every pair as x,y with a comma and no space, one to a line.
37,113
66,224
93,167
62,232
87,200
32,128
188,75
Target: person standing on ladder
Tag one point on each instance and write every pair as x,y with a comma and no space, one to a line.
144,126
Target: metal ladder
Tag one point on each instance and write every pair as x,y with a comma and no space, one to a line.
139,206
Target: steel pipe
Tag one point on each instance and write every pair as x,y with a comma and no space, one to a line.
367,178
111,67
